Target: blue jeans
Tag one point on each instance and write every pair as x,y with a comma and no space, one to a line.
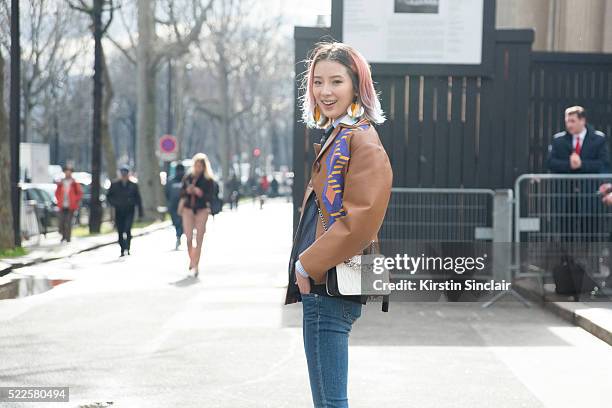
326,326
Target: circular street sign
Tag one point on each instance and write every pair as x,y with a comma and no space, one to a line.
167,144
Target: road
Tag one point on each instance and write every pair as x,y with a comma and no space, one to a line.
139,332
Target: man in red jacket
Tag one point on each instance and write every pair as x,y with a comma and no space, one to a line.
68,195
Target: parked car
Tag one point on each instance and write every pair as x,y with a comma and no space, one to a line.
49,189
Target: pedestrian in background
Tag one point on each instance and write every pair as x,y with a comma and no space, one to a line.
124,195
173,195
264,186
68,194
342,210
253,187
578,149
234,186
196,195
274,187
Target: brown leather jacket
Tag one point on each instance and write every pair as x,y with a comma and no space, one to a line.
367,178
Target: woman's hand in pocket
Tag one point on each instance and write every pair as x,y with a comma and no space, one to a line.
303,283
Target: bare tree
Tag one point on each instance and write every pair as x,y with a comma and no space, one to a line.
74,133
6,212
273,112
50,49
107,141
122,108
181,22
95,10
239,49
110,157
180,110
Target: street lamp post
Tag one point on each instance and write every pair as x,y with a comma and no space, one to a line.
96,148
15,113
170,118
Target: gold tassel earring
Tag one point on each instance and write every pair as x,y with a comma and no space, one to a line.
355,110
319,118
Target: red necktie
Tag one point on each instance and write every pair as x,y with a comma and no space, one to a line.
577,148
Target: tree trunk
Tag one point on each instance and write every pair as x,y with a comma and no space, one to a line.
6,212
110,157
27,119
225,125
147,163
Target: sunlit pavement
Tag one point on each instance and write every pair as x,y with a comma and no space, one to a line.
139,332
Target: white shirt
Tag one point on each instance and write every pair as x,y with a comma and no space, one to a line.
580,136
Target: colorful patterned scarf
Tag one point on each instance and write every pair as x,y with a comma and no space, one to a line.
336,163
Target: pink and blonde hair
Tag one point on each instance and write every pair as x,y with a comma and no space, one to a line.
359,71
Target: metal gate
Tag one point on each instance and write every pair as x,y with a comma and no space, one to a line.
439,215
438,222
558,215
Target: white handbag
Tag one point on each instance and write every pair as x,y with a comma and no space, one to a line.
349,277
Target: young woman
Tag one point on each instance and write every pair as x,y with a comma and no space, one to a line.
343,208
196,195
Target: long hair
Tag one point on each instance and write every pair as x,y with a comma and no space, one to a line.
202,158
359,71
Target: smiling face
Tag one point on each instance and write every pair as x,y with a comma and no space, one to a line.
332,88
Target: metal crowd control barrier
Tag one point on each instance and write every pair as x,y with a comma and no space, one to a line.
29,221
439,214
450,215
559,214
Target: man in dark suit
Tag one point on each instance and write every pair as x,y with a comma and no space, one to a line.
580,148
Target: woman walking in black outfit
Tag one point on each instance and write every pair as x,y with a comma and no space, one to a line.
196,195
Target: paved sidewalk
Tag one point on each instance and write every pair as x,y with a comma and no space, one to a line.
594,317
140,331
50,249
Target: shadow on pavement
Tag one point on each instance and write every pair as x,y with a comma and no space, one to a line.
185,282
507,324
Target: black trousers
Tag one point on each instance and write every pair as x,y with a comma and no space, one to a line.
124,220
65,223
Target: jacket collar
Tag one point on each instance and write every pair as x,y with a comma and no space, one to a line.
344,121
587,138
